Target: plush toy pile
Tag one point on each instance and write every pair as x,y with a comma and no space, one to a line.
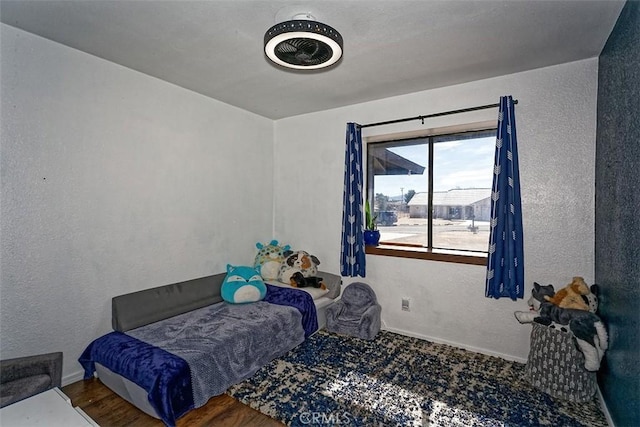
571,309
244,284
275,261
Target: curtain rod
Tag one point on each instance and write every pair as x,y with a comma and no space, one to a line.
428,116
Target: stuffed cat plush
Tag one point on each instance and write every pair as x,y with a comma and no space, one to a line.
242,284
587,328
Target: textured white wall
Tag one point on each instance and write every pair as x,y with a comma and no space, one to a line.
556,129
112,182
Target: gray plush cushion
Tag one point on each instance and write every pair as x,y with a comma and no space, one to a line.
356,314
333,282
14,391
24,377
141,308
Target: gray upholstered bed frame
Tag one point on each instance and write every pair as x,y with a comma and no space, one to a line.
141,308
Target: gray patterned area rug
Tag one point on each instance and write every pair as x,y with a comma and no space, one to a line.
396,380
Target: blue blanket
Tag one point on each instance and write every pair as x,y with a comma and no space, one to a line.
165,377
298,299
184,360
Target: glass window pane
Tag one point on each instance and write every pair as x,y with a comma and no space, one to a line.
462,179
398,185
400,171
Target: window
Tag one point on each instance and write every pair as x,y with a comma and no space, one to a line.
432,194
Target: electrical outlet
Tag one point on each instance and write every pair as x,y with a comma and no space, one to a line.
405,304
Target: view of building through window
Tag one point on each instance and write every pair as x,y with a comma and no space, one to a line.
461,170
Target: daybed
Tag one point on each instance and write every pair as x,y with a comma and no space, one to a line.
176,346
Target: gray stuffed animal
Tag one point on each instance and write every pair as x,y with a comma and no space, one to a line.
586,327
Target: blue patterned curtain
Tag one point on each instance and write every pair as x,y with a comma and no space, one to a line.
352,256
505,266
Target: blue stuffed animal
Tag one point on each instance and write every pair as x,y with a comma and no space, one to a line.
242,284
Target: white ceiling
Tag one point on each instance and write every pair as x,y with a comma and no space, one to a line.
391,47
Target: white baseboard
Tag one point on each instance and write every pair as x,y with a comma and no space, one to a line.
72,378
604,408
458,345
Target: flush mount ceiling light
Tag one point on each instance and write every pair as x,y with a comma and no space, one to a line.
303,44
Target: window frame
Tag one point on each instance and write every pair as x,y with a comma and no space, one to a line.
414,251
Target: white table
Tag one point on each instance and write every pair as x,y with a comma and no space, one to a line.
51,408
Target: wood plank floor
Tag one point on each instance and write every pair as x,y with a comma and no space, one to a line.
109,410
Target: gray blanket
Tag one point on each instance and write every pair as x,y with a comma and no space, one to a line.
225,343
